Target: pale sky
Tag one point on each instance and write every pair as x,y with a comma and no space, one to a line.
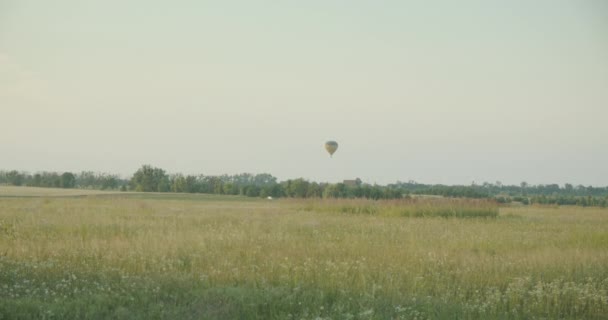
433,91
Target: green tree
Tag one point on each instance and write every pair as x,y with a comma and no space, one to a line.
87,179
150,179
314,190
192,184
297,188
231,188
37,180
264,179
337,190
108,182
67,180
253,191
274,191
524,186
178,183
14,178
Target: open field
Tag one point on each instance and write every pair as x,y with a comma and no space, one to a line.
36,192
150,256
12,191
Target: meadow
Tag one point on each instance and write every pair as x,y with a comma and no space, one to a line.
168,256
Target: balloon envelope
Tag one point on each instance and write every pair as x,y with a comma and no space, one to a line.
331,147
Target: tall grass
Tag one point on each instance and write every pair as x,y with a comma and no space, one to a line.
411,207
125,258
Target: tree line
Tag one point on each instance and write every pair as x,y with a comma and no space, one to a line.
152,179
550,194
487,189
82,180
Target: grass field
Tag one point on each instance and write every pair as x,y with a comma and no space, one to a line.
152,256
11,191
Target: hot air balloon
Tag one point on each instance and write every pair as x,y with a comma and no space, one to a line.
331,147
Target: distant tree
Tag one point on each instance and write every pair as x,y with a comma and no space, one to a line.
264,193
164,185
14,178
67,180
87,179
264,179
523,185
216,184
274,191
109,182
229,187
191,184
178,183
37,180
337,190
150,179
297,188
253,191
314,190
375,192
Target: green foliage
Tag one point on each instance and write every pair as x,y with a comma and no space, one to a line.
67,180
297,188
91,180
83,180
14,178
337,190
300,188
583,201
252,191
150,179
409,207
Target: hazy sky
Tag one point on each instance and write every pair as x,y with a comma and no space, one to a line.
433,91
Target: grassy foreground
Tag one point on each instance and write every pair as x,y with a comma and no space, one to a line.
125,257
